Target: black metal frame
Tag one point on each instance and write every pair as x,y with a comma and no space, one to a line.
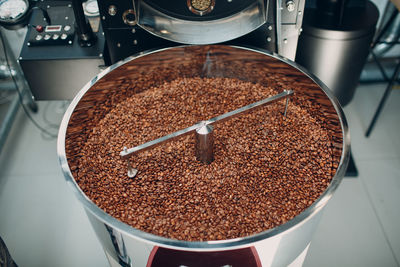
391,80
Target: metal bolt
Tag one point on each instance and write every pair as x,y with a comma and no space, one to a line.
285,41
290,5
270,27
112,10
300,13
133,31
269,39
118,44
135,42
28,43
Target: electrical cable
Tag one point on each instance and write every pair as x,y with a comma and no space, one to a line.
44,13
20,96
5,97
63,107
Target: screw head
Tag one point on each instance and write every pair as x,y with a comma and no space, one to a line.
290,5
112,10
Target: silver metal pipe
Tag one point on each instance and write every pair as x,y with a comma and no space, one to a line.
205,144
278,23
8,121
286,105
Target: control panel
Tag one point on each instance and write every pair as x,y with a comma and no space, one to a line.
55,64
52,23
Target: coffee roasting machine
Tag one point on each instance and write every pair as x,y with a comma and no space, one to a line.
67,44
55,50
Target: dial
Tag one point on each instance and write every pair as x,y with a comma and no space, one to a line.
12,9
13,13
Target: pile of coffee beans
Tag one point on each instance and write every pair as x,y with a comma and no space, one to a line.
267,169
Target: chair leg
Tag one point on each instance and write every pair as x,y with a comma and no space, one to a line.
383,99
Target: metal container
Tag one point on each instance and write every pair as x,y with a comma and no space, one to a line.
336,53
125,246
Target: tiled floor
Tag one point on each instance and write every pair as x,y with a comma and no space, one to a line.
43,224
360,226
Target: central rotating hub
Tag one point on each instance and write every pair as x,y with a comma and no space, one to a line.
201,7
205,143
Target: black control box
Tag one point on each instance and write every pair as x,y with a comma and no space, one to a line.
56,68
59,30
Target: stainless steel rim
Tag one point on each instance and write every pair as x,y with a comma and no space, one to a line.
204,245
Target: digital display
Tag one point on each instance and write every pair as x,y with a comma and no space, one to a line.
53,28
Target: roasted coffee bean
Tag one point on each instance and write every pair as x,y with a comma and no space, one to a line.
267,169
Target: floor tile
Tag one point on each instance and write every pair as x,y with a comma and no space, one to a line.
381,179
42,223
27,149
383,141
349,233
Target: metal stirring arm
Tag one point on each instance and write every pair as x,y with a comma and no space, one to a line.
203,129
